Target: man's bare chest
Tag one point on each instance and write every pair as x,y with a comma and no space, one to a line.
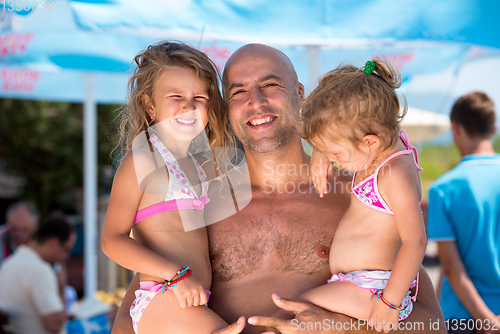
289,233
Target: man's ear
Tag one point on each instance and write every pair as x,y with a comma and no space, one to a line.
456,128
372,141
301,91
148,105
495,129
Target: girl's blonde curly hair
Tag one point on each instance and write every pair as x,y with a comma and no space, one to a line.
150,64
357,103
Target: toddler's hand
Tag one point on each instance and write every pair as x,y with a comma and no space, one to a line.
321,167
190,292
383,318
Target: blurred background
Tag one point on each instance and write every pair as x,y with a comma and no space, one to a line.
64,66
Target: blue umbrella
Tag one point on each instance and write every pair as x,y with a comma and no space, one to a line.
65,49
310,22
45,55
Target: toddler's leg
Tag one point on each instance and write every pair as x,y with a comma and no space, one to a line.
341,297
165,316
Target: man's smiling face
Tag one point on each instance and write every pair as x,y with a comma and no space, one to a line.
262,93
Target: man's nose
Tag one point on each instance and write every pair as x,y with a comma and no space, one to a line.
257,99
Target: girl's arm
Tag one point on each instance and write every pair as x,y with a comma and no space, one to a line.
116,241
401,191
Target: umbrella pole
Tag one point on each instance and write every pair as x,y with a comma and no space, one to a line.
90,188
313,51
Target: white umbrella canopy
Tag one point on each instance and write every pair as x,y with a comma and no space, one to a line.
423,125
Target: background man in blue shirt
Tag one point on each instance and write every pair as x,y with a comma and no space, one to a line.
464,218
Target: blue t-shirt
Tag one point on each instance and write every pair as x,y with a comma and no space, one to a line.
464,205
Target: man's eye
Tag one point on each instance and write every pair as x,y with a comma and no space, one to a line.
237,92
271,84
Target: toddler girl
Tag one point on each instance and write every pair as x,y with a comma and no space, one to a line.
160,189
352,119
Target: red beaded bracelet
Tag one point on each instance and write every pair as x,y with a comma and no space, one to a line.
182,274
392,307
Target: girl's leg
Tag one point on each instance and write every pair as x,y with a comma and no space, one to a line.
341,297
165,316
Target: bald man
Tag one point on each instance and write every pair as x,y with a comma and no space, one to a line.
279,243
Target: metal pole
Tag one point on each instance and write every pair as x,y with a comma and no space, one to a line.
313,51
90,188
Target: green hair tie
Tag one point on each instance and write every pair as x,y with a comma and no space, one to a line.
369,67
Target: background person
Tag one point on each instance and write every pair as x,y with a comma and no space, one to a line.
29,292
464,218
21,223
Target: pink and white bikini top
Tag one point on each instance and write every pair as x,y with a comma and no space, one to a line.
367,190
180,192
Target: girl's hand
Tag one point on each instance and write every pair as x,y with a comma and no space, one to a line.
383,318
321,167
190,292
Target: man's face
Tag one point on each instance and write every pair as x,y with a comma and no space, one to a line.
22,225
262,98
60,252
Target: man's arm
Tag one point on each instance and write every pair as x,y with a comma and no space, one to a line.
46,297
460,281
425,318
53,322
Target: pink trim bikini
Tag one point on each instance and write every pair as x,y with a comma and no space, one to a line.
367,192
180,195
143,296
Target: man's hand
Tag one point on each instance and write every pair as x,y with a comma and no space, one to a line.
234,328
304,313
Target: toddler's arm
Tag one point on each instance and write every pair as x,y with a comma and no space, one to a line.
321,167
400,189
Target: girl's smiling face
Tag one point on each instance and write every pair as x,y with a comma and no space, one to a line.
179,103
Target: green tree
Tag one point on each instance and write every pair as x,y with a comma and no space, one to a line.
43,141
438,159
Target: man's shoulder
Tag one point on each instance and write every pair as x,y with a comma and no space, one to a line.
466,170
27,260
341,175
340,181
450,178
